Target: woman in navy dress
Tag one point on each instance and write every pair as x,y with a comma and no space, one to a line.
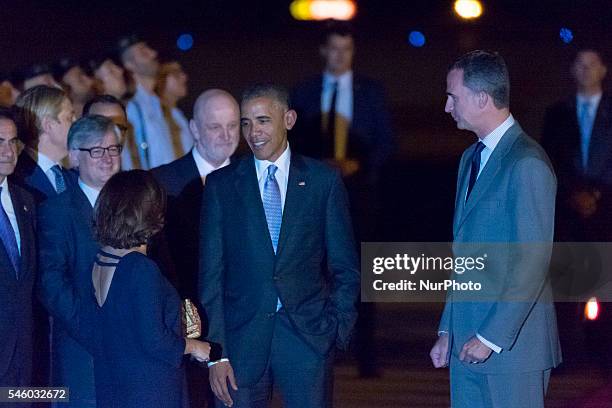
139,350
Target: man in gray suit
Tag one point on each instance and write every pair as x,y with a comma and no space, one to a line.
502,343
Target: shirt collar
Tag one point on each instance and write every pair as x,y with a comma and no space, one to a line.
44,162
492,139
593,100
90,192
282,163
344,80
204,167
142,93
4,185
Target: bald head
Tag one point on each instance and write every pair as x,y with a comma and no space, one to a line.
215,126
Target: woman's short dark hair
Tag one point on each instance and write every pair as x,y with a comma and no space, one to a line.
129,210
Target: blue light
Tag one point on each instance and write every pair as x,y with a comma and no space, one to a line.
566,35
416,39
184,42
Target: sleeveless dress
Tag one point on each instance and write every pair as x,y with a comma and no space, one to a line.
138,360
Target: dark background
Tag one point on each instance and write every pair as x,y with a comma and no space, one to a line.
239,42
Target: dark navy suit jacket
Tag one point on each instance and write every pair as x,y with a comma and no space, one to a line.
67,251
16,295
370,133
314,272
176,248
561,140
31,177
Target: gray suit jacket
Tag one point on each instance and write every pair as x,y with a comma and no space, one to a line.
510,217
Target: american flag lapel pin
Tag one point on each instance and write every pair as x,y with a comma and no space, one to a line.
25,208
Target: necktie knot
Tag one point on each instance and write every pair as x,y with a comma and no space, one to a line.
479,147
60,183
271,171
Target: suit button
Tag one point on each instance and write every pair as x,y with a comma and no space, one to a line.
276,278
270,315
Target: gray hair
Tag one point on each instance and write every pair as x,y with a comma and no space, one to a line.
485,71
90,129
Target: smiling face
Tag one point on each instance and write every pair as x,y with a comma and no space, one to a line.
265,122
216,129
96,172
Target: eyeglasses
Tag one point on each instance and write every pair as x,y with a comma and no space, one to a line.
98,152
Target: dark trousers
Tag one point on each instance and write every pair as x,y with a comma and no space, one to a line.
18,374
302,378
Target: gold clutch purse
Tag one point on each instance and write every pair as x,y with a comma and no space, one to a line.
192,325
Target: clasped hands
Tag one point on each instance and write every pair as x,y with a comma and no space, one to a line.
473,351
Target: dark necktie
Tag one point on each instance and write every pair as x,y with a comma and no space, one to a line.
475,167
331,121
8,239
60,183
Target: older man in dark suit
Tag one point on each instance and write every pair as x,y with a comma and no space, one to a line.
67,249
17,264
216,131
278,265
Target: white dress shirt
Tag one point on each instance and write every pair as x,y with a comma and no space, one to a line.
7,204
204,167
158,145
344,97
281,175
90,192
45,163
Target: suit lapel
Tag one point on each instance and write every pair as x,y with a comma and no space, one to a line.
24,223
82,205
464,174
247,188
36,177
297,190
490,171
599,140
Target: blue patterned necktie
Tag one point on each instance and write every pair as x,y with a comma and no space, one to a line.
586,126
272,205
8,239
60,183
273,209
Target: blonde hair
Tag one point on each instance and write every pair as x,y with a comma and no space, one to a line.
33,105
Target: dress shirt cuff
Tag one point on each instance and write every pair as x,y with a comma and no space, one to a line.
490,345
221,360
441,332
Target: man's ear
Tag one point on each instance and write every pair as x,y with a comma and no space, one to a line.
194,130
482,98
47,123
290,118
73,158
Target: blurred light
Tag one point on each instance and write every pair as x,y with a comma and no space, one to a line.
300,9
184,42
322,9
566,35
416,39
591,309
468,9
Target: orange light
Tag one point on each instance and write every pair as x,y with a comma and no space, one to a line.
322,9
591,309
468,9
